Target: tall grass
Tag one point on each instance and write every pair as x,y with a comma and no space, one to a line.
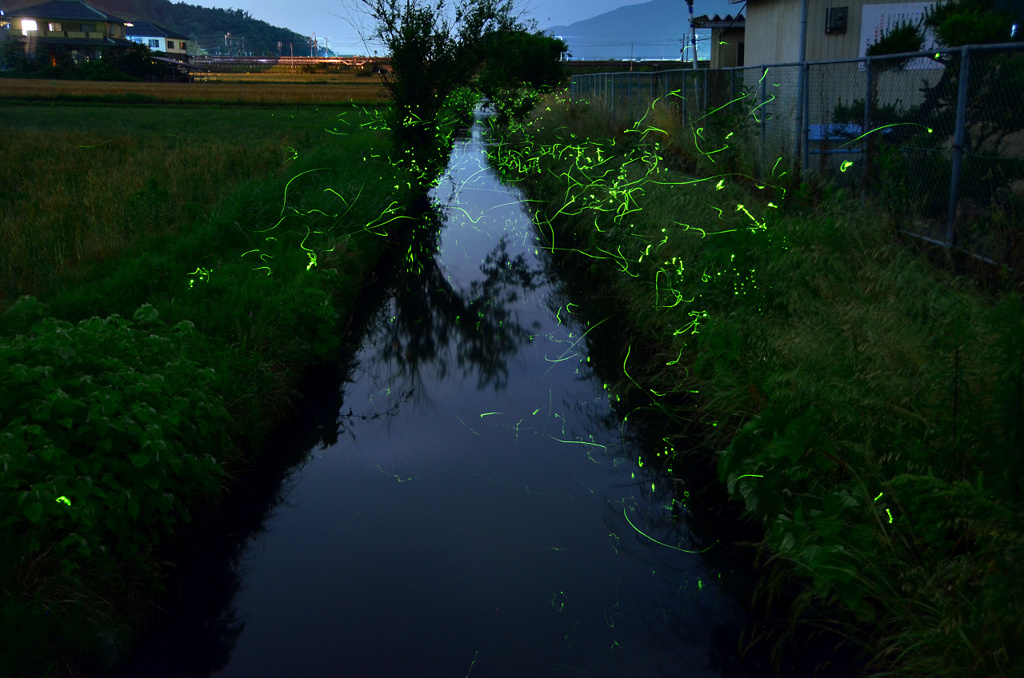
863,404
79,184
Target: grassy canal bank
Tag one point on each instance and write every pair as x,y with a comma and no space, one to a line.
864,405
168,274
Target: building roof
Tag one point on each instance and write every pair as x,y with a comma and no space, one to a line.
77,42
728,21
65,9
145,29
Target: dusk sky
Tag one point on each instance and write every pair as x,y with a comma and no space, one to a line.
331,18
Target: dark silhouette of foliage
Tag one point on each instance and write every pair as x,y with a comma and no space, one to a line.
520,58
434,49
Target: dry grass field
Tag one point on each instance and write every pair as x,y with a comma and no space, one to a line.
327,89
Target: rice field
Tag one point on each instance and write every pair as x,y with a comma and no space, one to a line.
80,182
220,88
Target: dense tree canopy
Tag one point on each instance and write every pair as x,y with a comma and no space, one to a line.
434,48
514,59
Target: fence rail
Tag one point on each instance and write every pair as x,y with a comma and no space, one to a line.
937,136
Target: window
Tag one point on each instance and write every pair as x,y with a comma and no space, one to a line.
87,28
154,44
53,27
28,25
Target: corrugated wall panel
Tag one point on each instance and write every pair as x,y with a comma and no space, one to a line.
773,31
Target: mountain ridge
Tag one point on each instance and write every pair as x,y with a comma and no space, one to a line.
647,30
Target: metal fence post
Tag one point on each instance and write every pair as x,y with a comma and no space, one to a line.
764,114
629,100
804,137
958,142
707,102
684,98
866,144
732,87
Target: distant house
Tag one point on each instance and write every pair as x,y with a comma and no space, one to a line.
728,46
159,39
66,26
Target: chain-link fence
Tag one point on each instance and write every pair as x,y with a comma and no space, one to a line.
937,137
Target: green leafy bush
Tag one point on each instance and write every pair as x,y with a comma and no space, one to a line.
107,430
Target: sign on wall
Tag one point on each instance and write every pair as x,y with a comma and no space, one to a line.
876,20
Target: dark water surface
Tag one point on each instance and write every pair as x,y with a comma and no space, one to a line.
482,510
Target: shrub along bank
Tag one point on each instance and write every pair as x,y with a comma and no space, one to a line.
864,406
135,386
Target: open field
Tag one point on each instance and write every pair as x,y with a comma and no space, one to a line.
80,183
326,90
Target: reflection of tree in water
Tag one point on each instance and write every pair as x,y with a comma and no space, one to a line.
436,324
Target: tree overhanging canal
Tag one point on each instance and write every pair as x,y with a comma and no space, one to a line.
474,505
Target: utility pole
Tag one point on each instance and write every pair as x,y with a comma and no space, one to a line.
693,34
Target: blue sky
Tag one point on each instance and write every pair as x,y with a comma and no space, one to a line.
333,19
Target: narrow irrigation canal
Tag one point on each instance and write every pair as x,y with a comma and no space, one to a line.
480,511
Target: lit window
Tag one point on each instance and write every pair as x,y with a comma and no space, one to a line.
53,27
154,44
28,25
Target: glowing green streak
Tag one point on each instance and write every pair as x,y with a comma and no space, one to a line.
472,663
624,371
284,199
879,129
464,424
487,414
396,477
577,442
626,515
310,253
64,500
749,475
764,103
879,496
